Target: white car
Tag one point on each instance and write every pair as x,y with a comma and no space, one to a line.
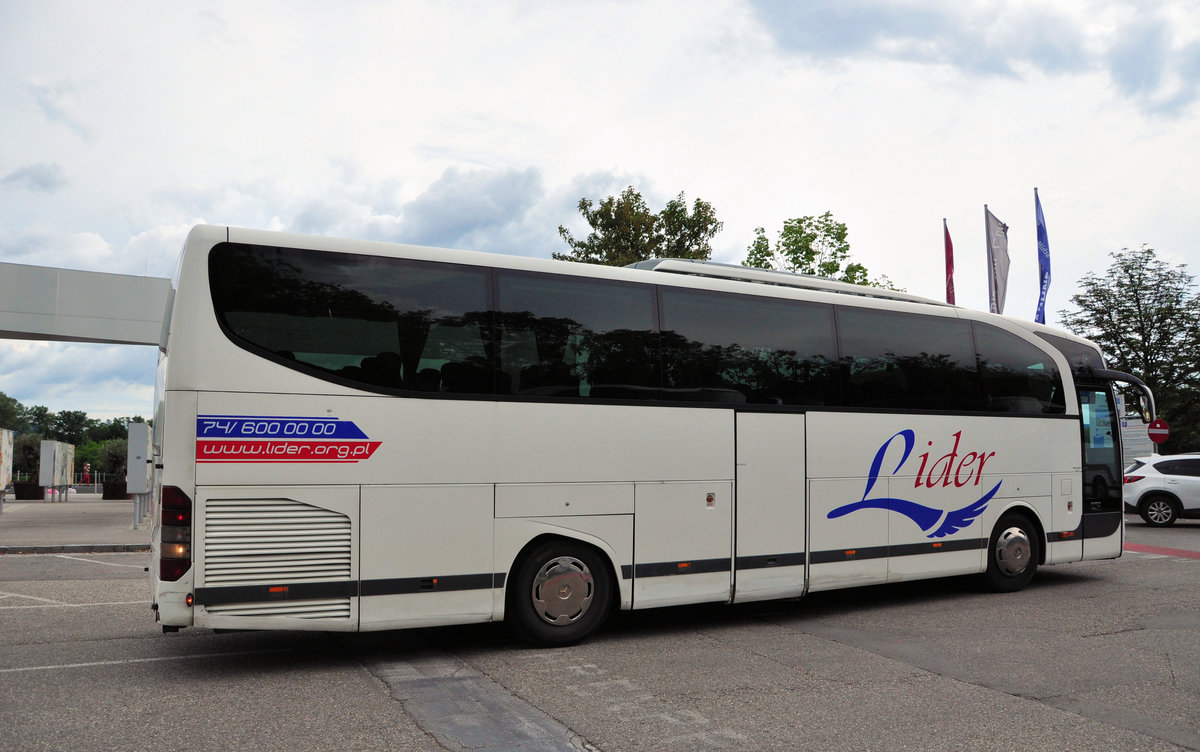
1163,488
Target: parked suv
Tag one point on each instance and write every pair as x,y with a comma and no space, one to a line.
1163,488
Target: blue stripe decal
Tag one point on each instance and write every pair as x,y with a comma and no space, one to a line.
274,427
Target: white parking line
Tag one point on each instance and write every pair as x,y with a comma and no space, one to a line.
106,563
32,598
139,660
47,603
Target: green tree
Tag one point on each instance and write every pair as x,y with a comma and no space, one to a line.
102,443
112,456
27,455
71,426
113,428
1145,315
12,413
87,452
39,419
811,245
688,234
625,231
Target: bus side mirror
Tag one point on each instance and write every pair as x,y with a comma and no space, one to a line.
1144,408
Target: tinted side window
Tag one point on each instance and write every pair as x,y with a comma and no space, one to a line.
1077,355
901,360
1179,467
1170,467
571,337
378,322
731,348
1016,376
1189,467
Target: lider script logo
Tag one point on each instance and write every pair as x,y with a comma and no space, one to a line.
951,469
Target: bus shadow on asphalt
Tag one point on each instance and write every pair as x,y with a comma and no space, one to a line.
630,624
254,652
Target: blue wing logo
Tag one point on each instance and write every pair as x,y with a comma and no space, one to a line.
925,517
957,519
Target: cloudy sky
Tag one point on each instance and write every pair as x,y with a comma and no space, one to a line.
480,125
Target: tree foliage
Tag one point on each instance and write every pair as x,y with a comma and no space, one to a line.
112,456
810,245
27,454
1145,315
11,413
71,426
625,230
95,441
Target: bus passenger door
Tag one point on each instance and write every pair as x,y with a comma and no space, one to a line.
769,554
1102,505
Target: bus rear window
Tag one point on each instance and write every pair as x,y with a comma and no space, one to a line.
381,322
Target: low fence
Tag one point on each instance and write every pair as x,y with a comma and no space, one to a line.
110,486
91,479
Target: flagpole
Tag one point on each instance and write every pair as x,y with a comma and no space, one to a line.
948,250
991,270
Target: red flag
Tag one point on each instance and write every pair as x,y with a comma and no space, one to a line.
949,265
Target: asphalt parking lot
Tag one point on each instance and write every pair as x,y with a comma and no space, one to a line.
1096,656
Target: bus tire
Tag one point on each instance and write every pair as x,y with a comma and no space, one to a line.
1159,511
559,594
1013,553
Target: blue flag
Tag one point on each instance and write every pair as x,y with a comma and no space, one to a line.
1043,259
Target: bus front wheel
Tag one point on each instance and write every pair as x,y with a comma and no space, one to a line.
559,594
1013,553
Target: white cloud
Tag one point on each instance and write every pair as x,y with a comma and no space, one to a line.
482,126
82,250
465,205
156,248
60,104
40,176
1148,50
106,381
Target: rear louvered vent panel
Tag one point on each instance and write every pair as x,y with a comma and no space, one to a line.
274,541
331,608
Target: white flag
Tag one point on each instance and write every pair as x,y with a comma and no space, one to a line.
997,256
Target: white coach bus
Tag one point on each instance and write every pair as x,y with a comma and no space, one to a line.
364,436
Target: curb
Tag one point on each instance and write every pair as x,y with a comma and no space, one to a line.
83,548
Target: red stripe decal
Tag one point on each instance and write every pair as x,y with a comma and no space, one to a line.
280,450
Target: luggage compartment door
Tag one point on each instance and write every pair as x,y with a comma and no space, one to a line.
771,507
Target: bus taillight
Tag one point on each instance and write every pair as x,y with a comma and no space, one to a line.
175,557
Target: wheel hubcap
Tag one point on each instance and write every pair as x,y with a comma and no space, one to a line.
1012,551
1159,511
563,590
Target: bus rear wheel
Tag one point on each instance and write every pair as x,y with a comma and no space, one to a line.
559,594
1013,553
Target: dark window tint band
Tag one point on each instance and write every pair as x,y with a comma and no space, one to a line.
427,328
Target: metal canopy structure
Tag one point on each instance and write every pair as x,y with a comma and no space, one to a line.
66,305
